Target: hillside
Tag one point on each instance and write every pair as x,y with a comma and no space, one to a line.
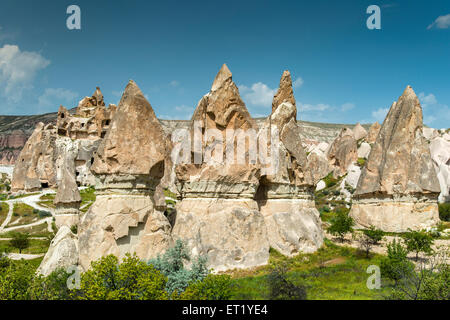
15,130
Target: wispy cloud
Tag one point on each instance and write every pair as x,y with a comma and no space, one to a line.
380,114
298,83
442,22
174,83
433,110
18,70
259,94
54,97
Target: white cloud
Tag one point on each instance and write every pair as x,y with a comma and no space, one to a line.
442,22
427,100
298,83
314,107
433,111
380,114
183,112
259,94
347,106
17,70
56,97
174,83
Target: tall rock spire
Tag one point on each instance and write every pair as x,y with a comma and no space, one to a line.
398,187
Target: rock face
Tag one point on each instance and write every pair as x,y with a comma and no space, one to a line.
62,253
11,145
373,132
35,168
364,150
67,200
398,187
285,197
91,121
359,132
440,153
262,203
343,152
215,193
128,167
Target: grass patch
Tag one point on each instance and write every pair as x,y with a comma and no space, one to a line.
37,246
333,272
23,195
22,213
361,162
170,194
47,204
48,196
4,209
40,230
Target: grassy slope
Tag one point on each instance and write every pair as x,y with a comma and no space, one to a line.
334,272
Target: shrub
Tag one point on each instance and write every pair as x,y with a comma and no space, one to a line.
15,281
374,234
418,241
74,229
444,211
19,241
171,264
361,162
281,288
329,180
43,214
341,224
52,287
396,265
213,287
131,280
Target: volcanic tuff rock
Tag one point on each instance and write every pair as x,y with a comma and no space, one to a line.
285,197
216,194
62,253
440,153
373,132
128,165
343,152
36,165
359,132
398,187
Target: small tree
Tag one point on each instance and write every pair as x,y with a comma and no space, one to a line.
418,241
396,265
281,288
20,241
341,224
375,235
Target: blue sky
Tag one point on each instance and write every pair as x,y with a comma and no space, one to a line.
343,72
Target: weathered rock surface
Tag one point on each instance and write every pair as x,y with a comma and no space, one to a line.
373,132
231,233
343,152
128,166
364,150
398,187
36,165
219,191
62,253
440,153
285,198
359,132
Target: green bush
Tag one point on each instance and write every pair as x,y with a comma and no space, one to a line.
341,224
281,288
418,241
444,211
43,214
213,287
396,265
171,264
375,235
131,280
329,180
19,241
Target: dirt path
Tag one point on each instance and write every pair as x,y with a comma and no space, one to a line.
32,201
